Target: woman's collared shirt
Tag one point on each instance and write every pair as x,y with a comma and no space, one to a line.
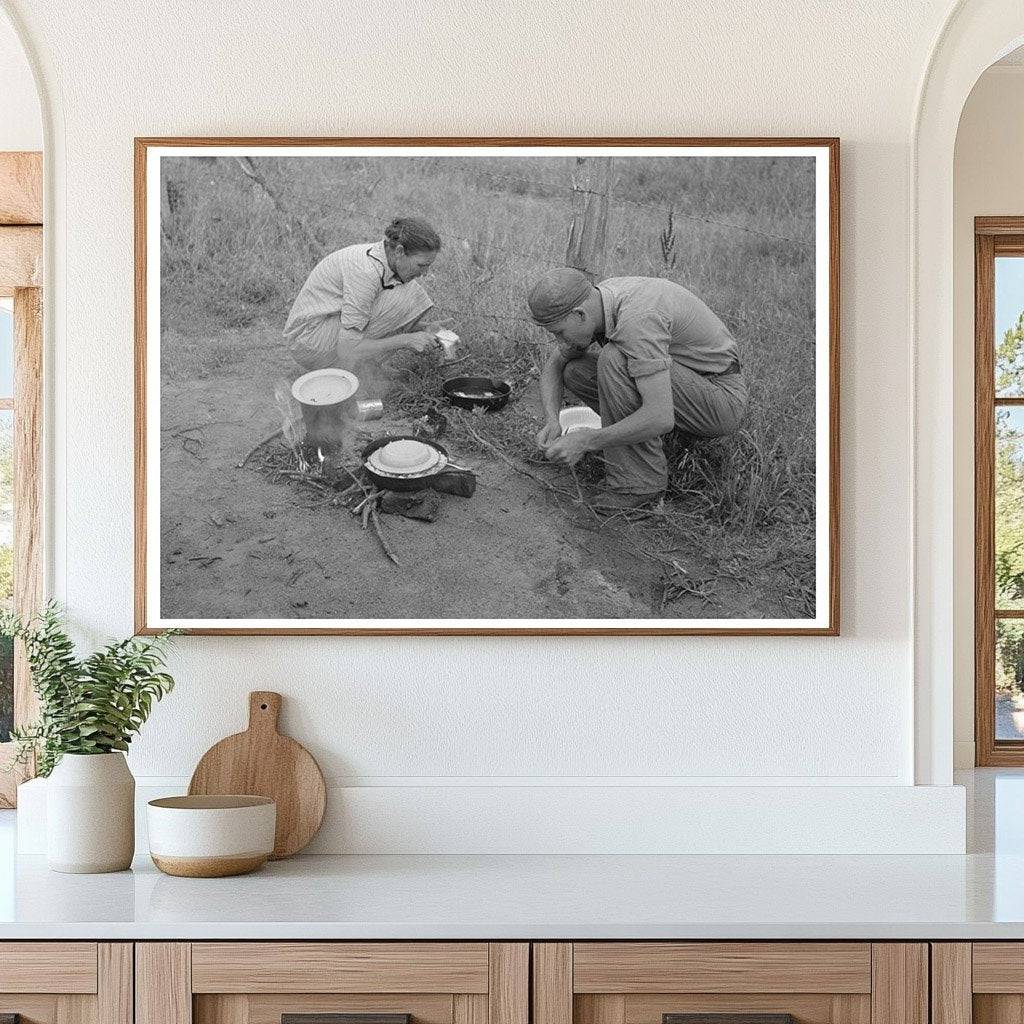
345,284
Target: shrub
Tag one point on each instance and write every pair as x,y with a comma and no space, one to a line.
91,705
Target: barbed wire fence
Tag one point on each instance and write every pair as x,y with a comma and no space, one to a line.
585,240
625,201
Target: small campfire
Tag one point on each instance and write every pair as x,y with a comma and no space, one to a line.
325,449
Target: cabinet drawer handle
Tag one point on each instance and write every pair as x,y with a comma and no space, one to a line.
339,1018
728,1018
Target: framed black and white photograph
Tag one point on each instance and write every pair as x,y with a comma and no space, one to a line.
487,386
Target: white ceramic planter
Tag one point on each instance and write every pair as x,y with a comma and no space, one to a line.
90,814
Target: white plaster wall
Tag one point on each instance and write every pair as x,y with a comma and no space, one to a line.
21,125
988,181
435,711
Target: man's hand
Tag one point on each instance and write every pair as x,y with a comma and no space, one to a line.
570,449
551,431
422,341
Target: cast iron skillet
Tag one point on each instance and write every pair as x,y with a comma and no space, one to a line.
484,392
445,476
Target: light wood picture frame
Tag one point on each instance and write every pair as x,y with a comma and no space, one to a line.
227,231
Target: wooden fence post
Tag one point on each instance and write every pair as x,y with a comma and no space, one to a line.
590,186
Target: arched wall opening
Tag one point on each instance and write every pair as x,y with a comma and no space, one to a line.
986,183
976,34
21,119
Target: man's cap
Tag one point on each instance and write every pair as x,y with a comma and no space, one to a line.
556,293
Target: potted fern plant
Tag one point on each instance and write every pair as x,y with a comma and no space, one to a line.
89,710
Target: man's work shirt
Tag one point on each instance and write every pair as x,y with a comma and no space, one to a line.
356,290
657,322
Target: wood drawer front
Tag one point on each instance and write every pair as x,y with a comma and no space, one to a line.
708,967
998,967
310,967
52,967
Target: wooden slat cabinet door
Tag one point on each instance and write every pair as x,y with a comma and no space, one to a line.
306,982
979,982
747,982
66,982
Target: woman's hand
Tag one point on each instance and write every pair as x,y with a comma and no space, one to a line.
551,431
422,341
570,449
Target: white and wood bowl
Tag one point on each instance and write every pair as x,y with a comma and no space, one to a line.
211,836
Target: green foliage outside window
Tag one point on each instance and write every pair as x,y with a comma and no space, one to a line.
1009,509
1010,361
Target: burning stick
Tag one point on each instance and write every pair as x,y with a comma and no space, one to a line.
375,519
369,497
339,499
303,478
367,511
266,440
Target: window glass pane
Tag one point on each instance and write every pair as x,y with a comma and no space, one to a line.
1009,483
6,567
6,348
1009,323
1009,679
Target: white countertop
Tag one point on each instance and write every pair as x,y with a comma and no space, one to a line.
977,896
532,897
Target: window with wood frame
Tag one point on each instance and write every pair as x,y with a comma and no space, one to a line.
21,354
999,490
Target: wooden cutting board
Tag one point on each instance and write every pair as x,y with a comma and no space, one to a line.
262,762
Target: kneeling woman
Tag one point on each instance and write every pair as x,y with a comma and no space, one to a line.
363,301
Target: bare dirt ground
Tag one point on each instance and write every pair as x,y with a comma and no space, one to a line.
236,544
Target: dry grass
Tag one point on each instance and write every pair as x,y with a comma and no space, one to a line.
236,251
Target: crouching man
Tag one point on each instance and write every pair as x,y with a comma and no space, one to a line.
665,360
